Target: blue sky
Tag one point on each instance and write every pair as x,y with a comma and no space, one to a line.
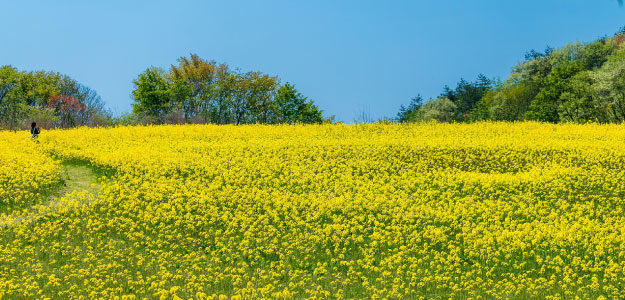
348,56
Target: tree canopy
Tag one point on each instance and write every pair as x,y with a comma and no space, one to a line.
580,82
49,98
200,91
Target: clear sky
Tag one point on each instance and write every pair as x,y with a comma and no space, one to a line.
348,56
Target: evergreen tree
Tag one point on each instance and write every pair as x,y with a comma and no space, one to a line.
292,107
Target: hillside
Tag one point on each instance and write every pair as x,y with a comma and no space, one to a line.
484,210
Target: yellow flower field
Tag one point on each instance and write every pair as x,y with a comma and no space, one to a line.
26,174
475,211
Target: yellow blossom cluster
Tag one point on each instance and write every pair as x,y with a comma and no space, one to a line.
26,174
471,211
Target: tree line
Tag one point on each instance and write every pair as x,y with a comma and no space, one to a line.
580,82
52,99
200,91
193,91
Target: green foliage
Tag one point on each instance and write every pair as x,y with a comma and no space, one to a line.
152,94
580,82
253,97
11,101
544,107
595,54
292,107
441,110
507,103
48,98
45,117
38,87
459,104
201,91
195,86
577,103
467,95
408,113
609,87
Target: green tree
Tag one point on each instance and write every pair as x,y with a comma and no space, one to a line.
577,103
38,87
595,54
467,95
9,79
579,82
222,111
88,108
194,86
12,104
260,89
236,87
544,107
152,94
407,113
508,103
293,107
609,87
441,110
533,71
197,90
33,94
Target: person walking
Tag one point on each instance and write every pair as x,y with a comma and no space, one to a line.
34,131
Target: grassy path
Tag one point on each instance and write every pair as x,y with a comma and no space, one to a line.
80,187
78,177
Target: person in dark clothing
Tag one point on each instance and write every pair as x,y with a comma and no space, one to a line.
34,131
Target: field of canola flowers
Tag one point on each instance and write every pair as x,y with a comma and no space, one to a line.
475,211
26,176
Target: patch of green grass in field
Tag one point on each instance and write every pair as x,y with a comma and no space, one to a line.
75,176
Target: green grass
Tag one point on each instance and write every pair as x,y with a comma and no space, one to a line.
75,176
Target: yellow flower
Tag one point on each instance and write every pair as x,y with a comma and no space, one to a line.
483,210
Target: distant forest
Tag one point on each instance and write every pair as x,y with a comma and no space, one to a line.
581,82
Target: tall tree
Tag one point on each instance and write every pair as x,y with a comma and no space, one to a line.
261,89
9,79
609,87
407,114
36,96
467,95
545,105
11,101
67,109
577,103
292,107
195,86
152,94
509,102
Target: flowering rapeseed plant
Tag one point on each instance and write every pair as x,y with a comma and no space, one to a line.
26,174
485,210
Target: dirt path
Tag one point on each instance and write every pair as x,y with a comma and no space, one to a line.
80,187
